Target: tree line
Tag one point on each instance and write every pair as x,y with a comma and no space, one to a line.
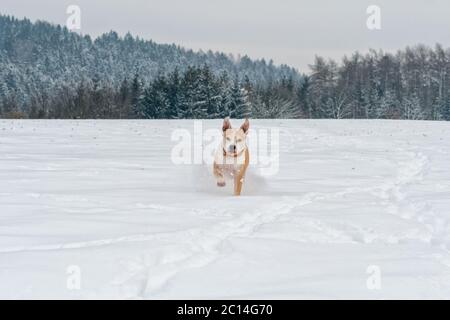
48,72
411,84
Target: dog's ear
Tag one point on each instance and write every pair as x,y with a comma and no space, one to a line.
226,124
245,126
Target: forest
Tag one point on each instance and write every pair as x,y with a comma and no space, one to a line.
48,72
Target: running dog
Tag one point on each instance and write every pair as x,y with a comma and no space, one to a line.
232,157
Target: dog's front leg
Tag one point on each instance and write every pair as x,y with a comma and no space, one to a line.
218,173
237,185
239,177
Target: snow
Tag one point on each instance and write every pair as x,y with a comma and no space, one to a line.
104,197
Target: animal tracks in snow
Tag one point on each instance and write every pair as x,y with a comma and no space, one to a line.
348,194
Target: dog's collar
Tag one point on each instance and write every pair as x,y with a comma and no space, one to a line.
235,155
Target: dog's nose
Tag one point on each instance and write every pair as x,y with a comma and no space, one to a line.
232,148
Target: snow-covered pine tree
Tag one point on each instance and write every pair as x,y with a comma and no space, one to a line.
412,109
303,97
174,94
446,109
207,94
387,104
136,96
188,101
155,104
223,103
370,101
124,99
244,109
214,94
236,103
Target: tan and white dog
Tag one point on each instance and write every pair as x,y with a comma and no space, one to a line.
232,157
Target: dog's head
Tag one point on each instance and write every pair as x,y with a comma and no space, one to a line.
234,140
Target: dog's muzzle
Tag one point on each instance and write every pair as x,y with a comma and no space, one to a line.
233,153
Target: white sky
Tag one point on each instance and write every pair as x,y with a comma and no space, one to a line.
289,31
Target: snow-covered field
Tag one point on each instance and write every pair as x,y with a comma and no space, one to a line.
358,209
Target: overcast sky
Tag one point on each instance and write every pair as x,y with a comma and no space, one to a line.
288,31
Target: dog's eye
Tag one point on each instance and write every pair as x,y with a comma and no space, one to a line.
228,139
239,140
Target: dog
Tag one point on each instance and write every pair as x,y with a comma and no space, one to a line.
232,157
